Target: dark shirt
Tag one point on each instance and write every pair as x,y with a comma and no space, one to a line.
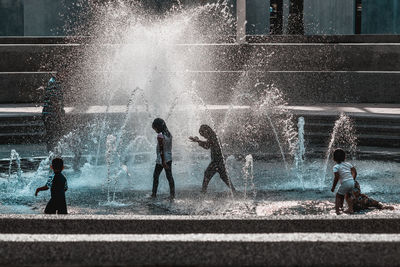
58,185
213,144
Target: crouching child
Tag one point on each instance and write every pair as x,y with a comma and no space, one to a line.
363,202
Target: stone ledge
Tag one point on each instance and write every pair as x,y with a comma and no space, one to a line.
131,224
359,38
199,253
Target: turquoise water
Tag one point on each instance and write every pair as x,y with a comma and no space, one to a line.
278,191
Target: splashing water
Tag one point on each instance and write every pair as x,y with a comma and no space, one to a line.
110,160
15,156
248,176
164,56
343,135
301,151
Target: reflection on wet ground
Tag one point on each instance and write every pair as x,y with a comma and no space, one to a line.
190,202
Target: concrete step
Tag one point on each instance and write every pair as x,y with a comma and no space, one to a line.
22,137
216,87
137,224
23,87
201,249
372,128
259,56
360,129
197,240
358,118
29,127
320,138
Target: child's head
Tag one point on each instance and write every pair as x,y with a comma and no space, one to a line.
339,155
57,165
206,131
160,126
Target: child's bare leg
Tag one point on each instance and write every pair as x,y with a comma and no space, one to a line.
208,174
373,203
338,203
349,201
378,205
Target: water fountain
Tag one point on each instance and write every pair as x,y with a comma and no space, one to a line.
138,67
343,135
301,151
15,156
248,176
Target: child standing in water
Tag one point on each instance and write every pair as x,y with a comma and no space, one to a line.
217,160
164,156
58,186
346,174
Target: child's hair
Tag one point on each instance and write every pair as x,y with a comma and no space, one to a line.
57,164
207,131
160,125
339,155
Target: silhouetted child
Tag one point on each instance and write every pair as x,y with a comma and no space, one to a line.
58,186
345,173
217,164
164,156
362,201
53,112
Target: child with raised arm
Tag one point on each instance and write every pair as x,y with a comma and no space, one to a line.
164,156
217,161
58,186
346,174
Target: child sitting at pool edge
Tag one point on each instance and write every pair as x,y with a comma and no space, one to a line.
346,174
58,186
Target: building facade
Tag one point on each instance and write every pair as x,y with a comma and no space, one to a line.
310,17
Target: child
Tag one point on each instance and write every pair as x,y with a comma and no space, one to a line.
346,174
58,186
164,156
362,201
53,113
217,160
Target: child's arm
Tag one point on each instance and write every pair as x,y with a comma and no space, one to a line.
203,144
335,181
353,172
161,145
43,188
